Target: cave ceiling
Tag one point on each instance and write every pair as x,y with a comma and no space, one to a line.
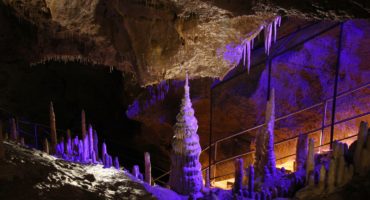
157,40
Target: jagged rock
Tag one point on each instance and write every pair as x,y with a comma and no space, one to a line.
186,175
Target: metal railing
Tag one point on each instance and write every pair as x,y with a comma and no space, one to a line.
324,104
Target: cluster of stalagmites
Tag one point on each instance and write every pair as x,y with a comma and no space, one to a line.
84,150
315,174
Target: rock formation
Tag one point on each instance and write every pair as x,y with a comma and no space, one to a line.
265,155
53,130
186,175
301,151
14,130
148,168
239,174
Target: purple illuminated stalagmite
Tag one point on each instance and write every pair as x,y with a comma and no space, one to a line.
251,181
265,155
116,163
53,130
239,174
14,130
148,168
103,152
91,141
186,176
310,163
96,148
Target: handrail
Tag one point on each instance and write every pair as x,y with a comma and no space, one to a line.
340,95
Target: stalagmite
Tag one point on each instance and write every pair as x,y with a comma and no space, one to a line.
106,163
46,146
251,181
91,141
186,175
330,182
53,130
103,152
83,124
135,171
265,156
310,163
239,174
116,163
22,141
301,151
14,130
86,152
207,179
96,143
93,158
362,135
69,147
148,168
81,151
2,148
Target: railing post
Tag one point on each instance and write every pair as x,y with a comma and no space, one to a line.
336,86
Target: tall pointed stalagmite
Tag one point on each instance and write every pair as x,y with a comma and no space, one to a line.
186,175
53,130
265,156
14,130
83,124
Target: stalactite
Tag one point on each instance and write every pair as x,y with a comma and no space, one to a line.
14,130
268,35
148,168
53,130
239,174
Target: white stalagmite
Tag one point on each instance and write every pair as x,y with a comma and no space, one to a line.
186,175
265,156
